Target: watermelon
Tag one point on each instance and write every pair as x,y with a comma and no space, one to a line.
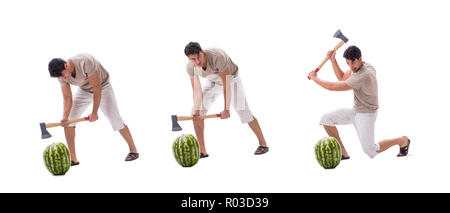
328,152
57,158
186,150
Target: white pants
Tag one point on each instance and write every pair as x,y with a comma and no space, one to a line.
238,99
108,105
364,124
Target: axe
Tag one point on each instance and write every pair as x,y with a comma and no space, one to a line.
344,40
176,118
44,126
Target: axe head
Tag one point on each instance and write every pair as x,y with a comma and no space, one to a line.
341,36
44,132
175,125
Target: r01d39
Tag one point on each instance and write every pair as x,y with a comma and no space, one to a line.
246,202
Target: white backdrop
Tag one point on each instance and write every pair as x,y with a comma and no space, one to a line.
275,44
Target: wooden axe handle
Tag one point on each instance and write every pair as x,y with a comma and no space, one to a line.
185,118
49,125
339,45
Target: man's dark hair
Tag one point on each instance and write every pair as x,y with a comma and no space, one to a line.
352,53
56,66
192,48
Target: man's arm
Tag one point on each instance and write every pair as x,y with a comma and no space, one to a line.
333,86
94,81
347,75
67,102
337,70
225,76
197,94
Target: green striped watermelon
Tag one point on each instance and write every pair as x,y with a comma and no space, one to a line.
186,150
57,158
328,152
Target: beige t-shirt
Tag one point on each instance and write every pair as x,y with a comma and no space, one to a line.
217,61
85,66
365,89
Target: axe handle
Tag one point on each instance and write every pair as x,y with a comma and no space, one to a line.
339,45
49,125
185,118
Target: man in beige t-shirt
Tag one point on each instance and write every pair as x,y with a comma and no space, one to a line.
361,78
88,74
222,79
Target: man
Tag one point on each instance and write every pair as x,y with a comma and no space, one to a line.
223,79
92,79
361,78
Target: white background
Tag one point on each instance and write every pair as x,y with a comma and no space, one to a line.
275,44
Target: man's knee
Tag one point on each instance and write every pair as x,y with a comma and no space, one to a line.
245,116
327,121
371,150
328,127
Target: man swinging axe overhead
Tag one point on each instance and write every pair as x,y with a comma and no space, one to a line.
361,78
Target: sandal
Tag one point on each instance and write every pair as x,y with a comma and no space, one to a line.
261,150
203,155
345,158
132,156
404,150
73,163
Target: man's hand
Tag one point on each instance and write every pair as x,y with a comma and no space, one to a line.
225,114
332,55
312,74
64,122
196,115
93,117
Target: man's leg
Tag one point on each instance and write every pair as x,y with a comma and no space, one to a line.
254,125
80,103
209,94
386,144
365,127
125,132
337,117
70,138
240,105
199,127
333,132
109,107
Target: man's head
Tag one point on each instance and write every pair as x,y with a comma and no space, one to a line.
59,68
195,54
353,58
